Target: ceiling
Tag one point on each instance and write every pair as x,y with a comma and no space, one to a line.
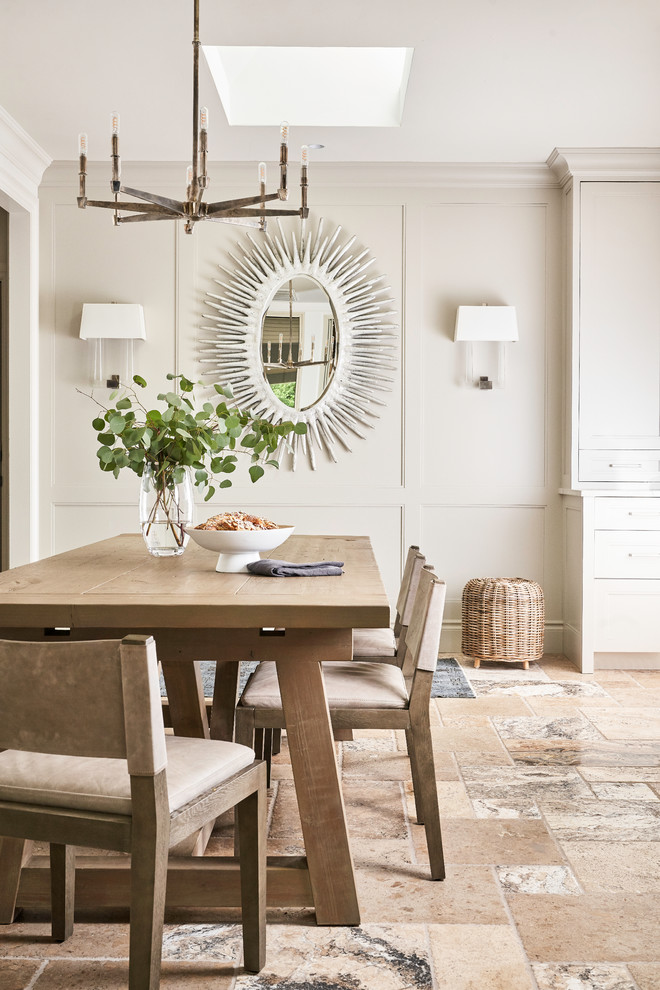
491,80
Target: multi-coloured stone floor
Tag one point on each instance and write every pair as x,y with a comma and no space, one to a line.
549,785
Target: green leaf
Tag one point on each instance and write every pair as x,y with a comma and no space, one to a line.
116,423
210,493
249,440
256,472
274,464
106,438
98,423
225,483
114,394
139,381
124,403
168,415
105,455
186,384
172,399
300,428
201,477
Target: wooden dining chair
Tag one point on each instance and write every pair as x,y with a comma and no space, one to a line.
382,644
86,762
379,644
374,695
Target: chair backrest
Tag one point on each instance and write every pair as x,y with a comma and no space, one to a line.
422,640
99,698
404,604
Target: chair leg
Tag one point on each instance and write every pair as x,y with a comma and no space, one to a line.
62,890
277,741
417,784
244,733
148,880
426,789
268,753
13,853
251,825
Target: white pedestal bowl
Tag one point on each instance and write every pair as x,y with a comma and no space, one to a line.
238,548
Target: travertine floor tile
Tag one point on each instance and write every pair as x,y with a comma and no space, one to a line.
590,928
452,800
563,976
627,723
615,866
478,957
496,841
104,975
468,894
485,705
575,726
576,752
649,775
375,808
537,879
647,975
480,739
16,974
624,792
33,941
374,764
621,821
369,957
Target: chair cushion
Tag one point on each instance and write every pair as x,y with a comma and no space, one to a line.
372,643
194,766
348,684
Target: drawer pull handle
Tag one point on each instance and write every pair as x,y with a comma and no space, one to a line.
651,553
622,465
649,514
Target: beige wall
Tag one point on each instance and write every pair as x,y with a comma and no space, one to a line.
471,476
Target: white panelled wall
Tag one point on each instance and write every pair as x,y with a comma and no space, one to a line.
470,475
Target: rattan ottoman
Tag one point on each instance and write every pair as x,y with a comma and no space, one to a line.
503,619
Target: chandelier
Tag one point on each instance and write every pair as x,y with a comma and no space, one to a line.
249,211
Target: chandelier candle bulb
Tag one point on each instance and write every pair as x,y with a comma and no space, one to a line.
82,170
204,119
283,192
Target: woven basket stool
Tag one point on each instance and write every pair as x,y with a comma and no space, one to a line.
503,619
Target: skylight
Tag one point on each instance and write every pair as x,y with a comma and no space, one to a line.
324,87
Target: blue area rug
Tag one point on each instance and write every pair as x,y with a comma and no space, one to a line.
449,681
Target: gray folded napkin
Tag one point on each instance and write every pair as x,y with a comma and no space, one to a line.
285,568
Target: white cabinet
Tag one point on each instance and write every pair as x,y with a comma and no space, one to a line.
611,470
619,331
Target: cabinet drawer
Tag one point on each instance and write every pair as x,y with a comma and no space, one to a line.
619,465
626,617
628,554
627,513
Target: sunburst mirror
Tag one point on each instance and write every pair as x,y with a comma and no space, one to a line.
302,331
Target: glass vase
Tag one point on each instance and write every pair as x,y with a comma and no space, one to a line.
166,508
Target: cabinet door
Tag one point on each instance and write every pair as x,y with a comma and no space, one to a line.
619,316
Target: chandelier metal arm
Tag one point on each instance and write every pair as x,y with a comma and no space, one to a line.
168,204
262,213
135,217
229,204
135,207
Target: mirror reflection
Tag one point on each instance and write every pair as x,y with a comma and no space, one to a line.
299,342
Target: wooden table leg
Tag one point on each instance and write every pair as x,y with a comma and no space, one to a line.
185,694
225,696
13,853
318,790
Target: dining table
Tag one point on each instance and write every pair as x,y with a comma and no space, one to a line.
109,589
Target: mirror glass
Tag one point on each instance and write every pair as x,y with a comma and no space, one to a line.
299,342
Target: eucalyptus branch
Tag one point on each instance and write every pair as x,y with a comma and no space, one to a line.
207,440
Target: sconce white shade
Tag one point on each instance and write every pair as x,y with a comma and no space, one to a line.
486,323
112,321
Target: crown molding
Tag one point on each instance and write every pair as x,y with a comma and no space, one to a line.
22,161
472,175
604,163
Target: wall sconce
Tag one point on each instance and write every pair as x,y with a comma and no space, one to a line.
111,329
486,324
